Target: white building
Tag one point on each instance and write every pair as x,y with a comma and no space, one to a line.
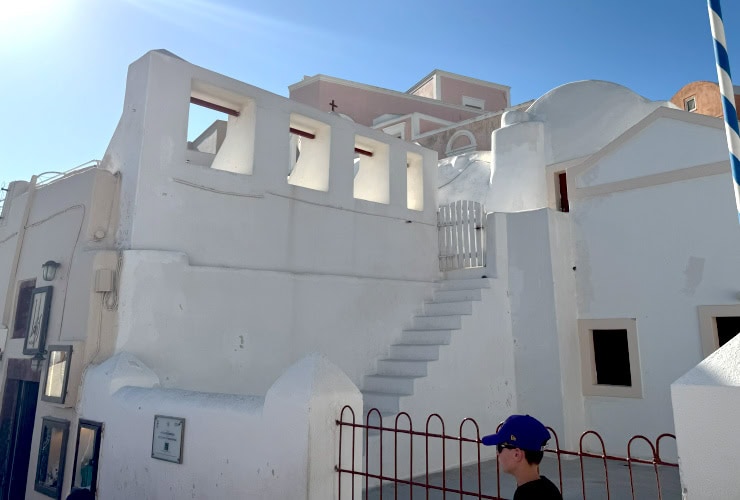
193,278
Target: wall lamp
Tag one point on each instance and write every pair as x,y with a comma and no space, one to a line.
38,360
49,270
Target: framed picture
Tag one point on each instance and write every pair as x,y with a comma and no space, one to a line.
167,438
87,452
52,451
57,374
38,321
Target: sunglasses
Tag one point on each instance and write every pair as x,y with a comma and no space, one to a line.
503,446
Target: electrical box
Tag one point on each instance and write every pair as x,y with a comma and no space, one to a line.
104,280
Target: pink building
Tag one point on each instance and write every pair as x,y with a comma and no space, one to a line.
445,112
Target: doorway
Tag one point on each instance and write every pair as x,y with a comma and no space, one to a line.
16,430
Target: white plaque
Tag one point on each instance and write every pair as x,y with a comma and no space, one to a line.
167,438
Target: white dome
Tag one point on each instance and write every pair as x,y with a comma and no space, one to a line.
582,117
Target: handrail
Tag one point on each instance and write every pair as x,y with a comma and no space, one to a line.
55,176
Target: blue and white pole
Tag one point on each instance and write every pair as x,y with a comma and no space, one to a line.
728,95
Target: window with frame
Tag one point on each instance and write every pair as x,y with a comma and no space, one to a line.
610,358
561,182
52,452
717,326
23,308
87,453
473,102
689,104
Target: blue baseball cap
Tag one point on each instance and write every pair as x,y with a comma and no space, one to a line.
521,431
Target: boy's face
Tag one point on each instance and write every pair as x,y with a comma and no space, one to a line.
508,459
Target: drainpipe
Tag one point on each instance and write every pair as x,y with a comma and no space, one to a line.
10,296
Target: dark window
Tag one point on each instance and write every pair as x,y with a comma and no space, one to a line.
690,104
563,204
727,328
23,308
612,357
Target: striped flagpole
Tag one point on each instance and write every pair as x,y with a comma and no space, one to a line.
728,95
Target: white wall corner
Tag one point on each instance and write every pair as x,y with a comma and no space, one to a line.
518,170
705,402
123,369
309,397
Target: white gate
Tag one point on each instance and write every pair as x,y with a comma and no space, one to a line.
462,239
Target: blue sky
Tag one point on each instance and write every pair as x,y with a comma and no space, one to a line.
64,62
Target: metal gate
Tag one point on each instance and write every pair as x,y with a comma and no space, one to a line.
462,237
595,474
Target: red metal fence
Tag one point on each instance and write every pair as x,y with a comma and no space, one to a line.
452,482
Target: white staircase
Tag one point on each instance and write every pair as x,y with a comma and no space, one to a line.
420,345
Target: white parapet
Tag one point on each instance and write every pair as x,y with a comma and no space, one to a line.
281,446
281,169
706,402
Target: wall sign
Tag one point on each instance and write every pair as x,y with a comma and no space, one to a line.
167,438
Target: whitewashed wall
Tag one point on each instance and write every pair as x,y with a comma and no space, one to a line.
655,251
234,273
282,445
235,330
706,402
543,315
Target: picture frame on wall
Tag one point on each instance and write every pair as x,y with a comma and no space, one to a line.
57,374
38,322
52,454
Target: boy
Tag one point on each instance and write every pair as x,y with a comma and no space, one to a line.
520,443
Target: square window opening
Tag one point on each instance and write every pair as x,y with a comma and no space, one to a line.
717,326
727,328
414,182
206,129
221,128
689,104
372,171
611,357
309,152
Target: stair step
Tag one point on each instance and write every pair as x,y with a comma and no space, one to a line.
403,367
456,295
385,402
390,384
447,308
451,322
414,352
433,337
464,284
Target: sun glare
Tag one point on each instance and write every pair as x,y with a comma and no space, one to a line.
13,10
27,18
